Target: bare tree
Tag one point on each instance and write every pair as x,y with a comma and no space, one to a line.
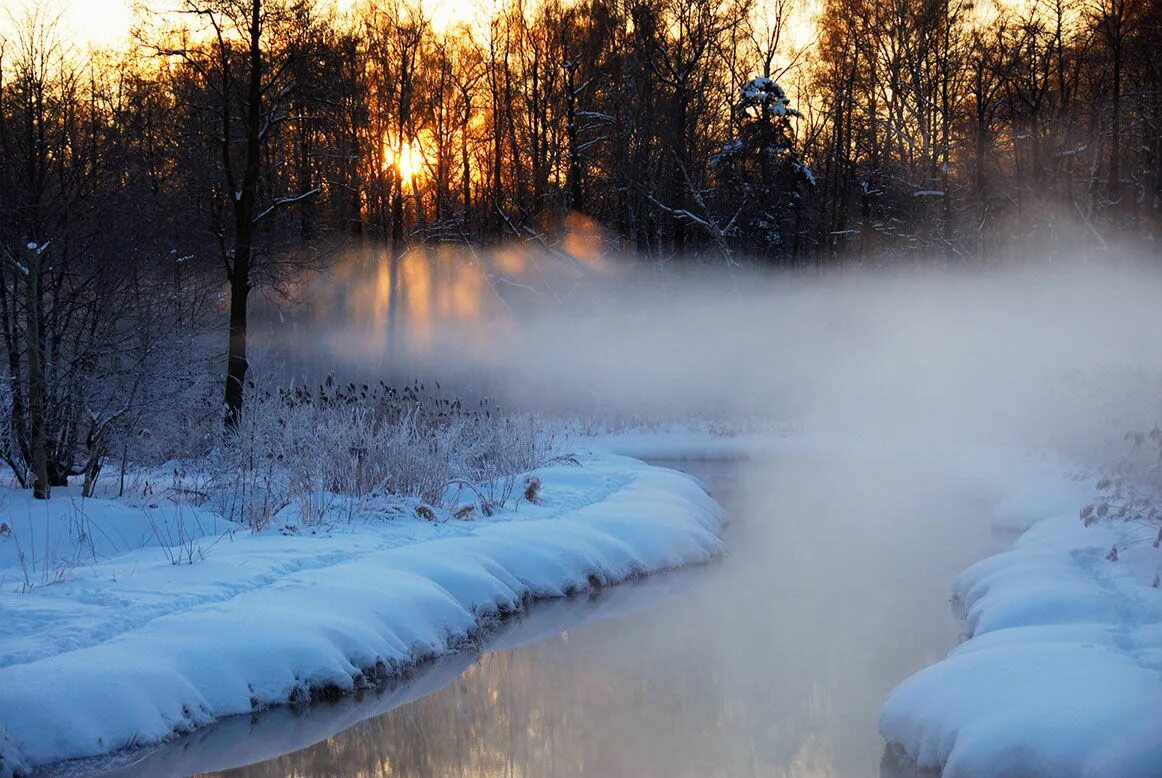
243,67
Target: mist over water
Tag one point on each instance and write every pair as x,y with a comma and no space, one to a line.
903,408
1051,354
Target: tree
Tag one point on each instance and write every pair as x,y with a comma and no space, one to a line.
244,72
762,178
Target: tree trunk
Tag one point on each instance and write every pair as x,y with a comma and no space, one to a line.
574,175
1115,181
41,486
236,362
244,200
466,180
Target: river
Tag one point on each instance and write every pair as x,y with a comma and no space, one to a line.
773,661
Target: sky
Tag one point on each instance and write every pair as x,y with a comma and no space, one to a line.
105,23
101,23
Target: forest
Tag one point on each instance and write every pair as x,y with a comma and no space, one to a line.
146,192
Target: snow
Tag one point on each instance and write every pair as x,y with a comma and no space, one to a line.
729,149
807,172
106,644
243,740
109,645
1062,674
766,94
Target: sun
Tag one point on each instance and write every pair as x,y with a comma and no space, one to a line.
408,161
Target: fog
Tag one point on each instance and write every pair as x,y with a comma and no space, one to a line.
1060,354
906,412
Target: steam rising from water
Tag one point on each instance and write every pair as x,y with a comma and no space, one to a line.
926,399
1043,354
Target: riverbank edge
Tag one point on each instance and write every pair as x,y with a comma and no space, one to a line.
1060,662
686,524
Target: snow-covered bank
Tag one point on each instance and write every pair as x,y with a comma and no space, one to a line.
128,649
237,741
1062,673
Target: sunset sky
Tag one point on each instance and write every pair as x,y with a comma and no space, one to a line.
106,22
100,22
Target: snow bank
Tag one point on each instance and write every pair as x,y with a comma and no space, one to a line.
129,649
238,741
1062,674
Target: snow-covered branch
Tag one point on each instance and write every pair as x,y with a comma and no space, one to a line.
284,201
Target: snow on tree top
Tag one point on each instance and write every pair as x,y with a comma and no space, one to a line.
766,95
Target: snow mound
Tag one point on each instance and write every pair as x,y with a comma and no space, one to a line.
130,650
1062,674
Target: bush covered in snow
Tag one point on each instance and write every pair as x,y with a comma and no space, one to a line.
1132,491
327,452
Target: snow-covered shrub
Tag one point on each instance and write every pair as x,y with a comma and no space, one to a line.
325,452
1132,491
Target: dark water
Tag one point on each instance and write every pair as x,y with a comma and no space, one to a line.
771,662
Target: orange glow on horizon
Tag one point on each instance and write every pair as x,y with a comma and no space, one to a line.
107,23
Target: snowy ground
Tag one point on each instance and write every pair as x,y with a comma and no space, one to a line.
1062,673
106,643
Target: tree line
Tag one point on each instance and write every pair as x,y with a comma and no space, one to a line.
145,193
